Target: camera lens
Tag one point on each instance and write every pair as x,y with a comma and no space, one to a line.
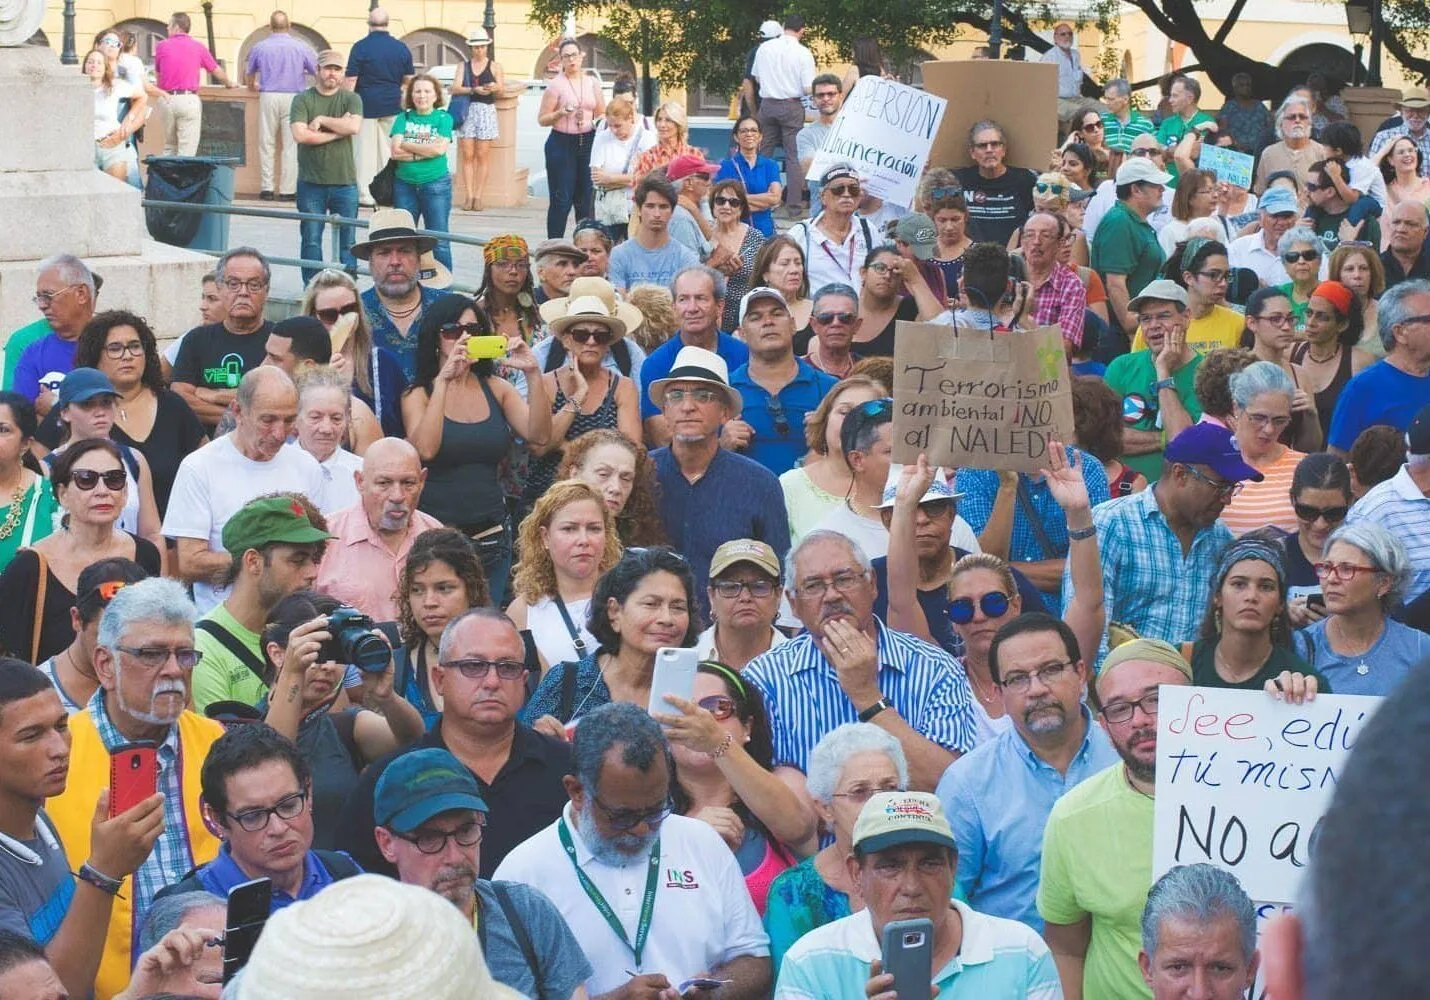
366,651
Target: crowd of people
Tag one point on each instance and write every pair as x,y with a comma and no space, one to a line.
382,586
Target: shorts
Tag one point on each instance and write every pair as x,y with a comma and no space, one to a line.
106,158
481,121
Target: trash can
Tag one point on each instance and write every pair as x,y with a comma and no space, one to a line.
193,180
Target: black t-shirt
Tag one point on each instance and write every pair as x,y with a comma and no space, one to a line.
882,346
1327,225
214,358
997,206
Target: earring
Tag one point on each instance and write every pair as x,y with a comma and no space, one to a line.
1217,620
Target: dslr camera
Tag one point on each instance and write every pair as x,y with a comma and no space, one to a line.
353,641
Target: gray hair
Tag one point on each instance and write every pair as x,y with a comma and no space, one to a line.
821,535
1384,551
325,377
616,724
1393,308
836,288
1298,234
1198,893
1286,105
71,270
253,380
832,752
221,268
716,278
157,599
983,125
444,647
1259,378
168,912
1119,86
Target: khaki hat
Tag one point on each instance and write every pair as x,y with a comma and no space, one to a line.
392,225
1161,290
589,309
590,287
330,57
1146,651
559,247
432,273
745,550
1414,97
890,819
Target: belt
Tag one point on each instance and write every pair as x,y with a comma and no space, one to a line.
173,92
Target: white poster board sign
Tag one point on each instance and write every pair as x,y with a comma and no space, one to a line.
1243,780
885,131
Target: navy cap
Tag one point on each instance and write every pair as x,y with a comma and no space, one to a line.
84,383
1211,445
422,784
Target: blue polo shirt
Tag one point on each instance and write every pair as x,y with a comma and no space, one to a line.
379,62
757,180
662,360
778,421
222,874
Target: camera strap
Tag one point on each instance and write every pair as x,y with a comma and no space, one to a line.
234,645
652,879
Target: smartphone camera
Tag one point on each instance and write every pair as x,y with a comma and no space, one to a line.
486,348
353,642
913,939
134,762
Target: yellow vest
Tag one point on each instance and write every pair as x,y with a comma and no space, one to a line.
72,814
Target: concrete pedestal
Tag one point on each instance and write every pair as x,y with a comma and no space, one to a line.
506,185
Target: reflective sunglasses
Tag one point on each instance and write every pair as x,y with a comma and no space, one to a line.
88,479
1042,187
719,705
835,317
1301,255
993,604
453,331
943,193
1332,515
331,315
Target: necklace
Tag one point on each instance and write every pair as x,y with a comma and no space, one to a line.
1362,668
403,313
1320,361
987,699
17,507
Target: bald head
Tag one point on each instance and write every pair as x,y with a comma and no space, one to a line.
390,484
278,22
267,412
1408,225
377,18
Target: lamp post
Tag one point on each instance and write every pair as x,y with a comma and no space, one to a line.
489,22
68,56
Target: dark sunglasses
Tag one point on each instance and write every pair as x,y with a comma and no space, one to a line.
831,317
331,315
721,199
1043,188
1332,515
776,410
1303,255
591,335
845,191
452,331
1092,124
719,705
993,604
943,193
88,479
1143,151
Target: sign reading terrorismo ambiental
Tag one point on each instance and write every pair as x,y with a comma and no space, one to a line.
885,130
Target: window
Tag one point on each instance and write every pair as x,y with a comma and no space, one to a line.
701,100
603,56
301,32
433,47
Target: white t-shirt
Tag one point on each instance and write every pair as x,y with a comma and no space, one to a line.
703,914
1367,179
106,106
339,486
215,481
784,68
873,537
610,153
552,637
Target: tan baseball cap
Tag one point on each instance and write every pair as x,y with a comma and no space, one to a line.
330,57
893,818
748,550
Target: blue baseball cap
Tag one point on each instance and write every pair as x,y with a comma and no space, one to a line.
422,784
1278,201
82,384
1211,445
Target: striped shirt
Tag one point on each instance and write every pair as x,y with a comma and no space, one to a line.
804,701
1403,509
997,960
1118,135
1267,503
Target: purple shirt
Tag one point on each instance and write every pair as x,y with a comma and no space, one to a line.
178,60
46,355
282,63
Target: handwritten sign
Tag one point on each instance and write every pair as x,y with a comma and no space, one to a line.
1227,164
1243,780
884,130
983,400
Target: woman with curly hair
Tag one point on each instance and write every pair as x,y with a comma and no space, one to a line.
1097,430
376,372
566,542
621,472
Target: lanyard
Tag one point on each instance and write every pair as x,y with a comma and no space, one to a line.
603,907
847,269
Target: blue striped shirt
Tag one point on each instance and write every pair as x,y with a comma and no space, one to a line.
1401,508
804,701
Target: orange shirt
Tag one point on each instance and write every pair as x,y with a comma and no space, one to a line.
1267,502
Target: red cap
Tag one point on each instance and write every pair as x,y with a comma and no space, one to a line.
686,164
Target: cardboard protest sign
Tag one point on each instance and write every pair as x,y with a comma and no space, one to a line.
1227,164
885,130
1022,97
1243,780
968,397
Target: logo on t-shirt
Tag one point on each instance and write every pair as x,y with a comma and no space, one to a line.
226,374
675,878
1135,409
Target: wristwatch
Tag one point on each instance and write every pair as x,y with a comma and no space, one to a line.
102,882
875,709
1163,383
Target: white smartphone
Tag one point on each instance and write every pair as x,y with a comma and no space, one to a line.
674,674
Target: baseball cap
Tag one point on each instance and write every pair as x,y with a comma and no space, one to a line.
745,550
100,581
770,29
687,164
940,489
267,521
917,230
755,294
890,819
1139,169
1417,435
838,172
1415,97
1161,290
330,57
422,784
1278,201
81,384
1213,446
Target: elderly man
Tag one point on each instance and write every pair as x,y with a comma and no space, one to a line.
1125,250
254,459
1198,936
834,322
903,864
1393,390
779,390
828,93
379,68
1121,122
145,653
427,799
1414,108
1064,55
999,196
321,122
481,678
37,356
999,796
1244,119
178,64
617,840
1258,251
651,255
25,971
176,954
1405,258
1296,151
836,241
371,539
397,299
848,666
558,262
214,358
1401,504
690,175
277,69
1059,298
708,493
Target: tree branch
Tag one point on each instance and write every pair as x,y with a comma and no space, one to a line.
1232,17
1397,47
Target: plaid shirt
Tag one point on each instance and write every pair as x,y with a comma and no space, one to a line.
1422,142
1061,299
171,858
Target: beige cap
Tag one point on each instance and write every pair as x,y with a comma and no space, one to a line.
331,57
747,550
1146,651
893,818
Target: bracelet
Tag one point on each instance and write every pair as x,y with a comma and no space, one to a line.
1079,534
722,749
104,883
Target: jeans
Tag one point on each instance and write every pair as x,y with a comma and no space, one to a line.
494,552
430,204
568,179
326,199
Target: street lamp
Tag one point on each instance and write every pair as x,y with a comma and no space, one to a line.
68,56
489,22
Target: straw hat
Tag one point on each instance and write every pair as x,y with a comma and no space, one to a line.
390,225
553,311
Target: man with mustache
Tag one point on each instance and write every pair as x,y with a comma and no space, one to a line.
1097,846
397,298
143,658
371,539
998,797
1296,151
430,816
655,899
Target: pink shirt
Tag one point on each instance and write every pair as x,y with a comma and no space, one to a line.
359,569
178,60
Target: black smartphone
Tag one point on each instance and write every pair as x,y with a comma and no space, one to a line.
1317,601
248,906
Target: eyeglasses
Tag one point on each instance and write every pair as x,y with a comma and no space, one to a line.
331,316
1122,711
117,351
454,331
726,200
44,299
155,657
846,191
674,397
1293,256
254,820
719,705
1046,675
1143,151
1042,187
628,819
818,587
435,841
88,479
730,589
1309,514
879,267
1276,319
826,318
475,669
747,131
936,510
1215,277
253,285
591,335
860,794
1224,490
1263,420
1341,571
993,604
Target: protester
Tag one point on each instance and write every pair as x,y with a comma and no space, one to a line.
941,197
813,489
744,595
375,372
276,68
758,174
1320,498
1097,418
1301,254
998,197
25,966
1270,330
1402,167
891,289
592,239
507,292
1259,251
834,322
65,291
1059,298
397,301
1394,389
827,92
33,505
671,129
180,956
1124,248
1122,123
621,471
329,422
322,123
1399,504
651,255
837,239
377,67
1296,151
1199,930
1263,395
1359,269
689,225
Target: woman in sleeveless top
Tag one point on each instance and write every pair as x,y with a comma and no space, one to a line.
482,80
1328,356
813,489
724,775
570,107
29,512
1097,430
461,418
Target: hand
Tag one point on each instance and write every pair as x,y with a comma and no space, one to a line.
1292,688
454,369
914,481
1173,354
112,139
648,987
908,270
855,659
1022,300
1064,478
1303,402
694,727
736,435
305,643
1348,232
518,356
172,958
880,985
120,845
551,726
572,383
1055,161
725,823
1332,170
1303,613
601,176
342,365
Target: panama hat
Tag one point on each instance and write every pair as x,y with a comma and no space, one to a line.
590,287
391,225
696,364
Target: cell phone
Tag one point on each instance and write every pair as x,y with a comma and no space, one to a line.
486,348
1317,601
133,776
674,674
908,956
248,907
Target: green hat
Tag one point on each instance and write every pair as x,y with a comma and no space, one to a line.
269,520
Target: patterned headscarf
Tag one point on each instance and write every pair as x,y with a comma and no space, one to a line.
507,246
1251,548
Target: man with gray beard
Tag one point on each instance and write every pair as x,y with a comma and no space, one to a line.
999,796
397,298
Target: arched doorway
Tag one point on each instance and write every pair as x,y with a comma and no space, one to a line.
148,32
1336,64
433,47
604,56
299,31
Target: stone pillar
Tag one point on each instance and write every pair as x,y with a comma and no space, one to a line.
506,185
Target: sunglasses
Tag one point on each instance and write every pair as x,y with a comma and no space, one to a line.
835,317
725,200
876,407
1144,151
452,331
1092,125
1043,187
331,315
943,193
993,604
845,191
1332,515
719,705
590,335
88,479
1301,255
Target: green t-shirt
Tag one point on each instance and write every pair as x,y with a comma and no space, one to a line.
16,343
423,129
1125,244
1204,672
332,162
1132,376
1173,129
220,675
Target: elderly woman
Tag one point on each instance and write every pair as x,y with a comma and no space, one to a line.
376,373
572,103
1212,385
613,158
941,198
618,469
324,427
594,240
780,265
737,243
1328,357
671,128
1357,647
422,185
823,482
566,543
1195,199
1261,397
1300,251
1359,269
1321,499
1271,335
744,603
644,602
758,175
848,766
